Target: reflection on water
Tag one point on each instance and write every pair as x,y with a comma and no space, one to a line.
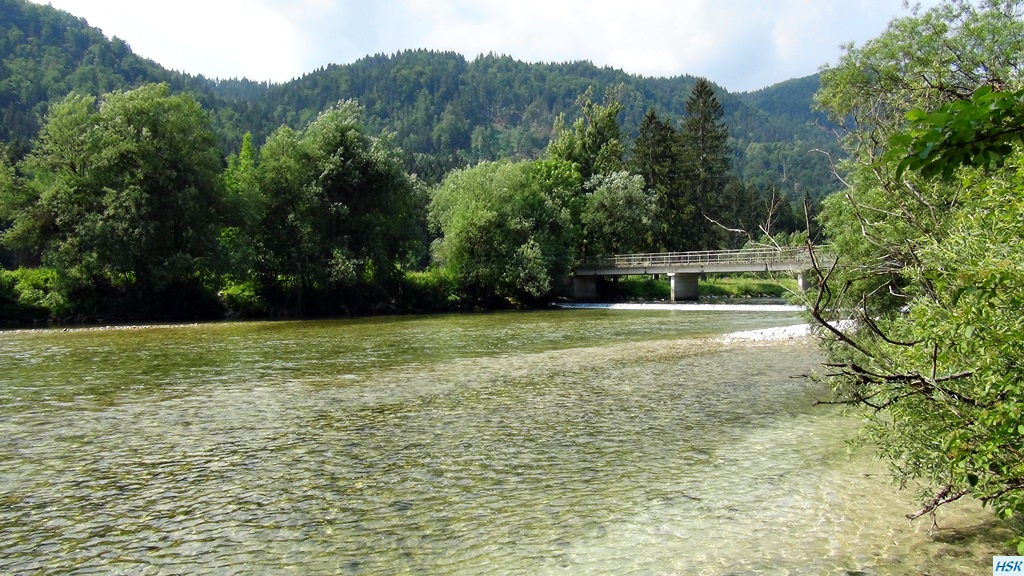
575,442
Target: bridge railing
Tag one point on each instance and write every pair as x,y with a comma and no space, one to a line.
743,256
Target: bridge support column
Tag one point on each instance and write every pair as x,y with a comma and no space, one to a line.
684,286
801,282
584,287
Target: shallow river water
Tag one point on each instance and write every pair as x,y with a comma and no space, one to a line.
556,442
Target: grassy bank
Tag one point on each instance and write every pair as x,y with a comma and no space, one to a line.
32,296
738,286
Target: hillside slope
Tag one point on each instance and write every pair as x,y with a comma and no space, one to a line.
444,111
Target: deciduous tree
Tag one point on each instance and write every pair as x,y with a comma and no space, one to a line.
927,234
617,214
123,192
337,214
505,231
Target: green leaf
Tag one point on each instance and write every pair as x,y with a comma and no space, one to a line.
916,114
982,91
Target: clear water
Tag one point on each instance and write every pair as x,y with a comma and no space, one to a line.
561,442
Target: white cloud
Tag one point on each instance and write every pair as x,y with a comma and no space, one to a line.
216,38
740,44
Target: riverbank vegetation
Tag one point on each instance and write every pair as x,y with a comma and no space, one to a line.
748,285
124,210
928,234
403,182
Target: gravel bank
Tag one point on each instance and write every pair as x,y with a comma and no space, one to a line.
795,332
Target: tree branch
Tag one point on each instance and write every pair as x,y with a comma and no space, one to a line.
945,496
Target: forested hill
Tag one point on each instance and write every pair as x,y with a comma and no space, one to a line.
445,111
46,53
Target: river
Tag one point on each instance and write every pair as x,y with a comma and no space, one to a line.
555,442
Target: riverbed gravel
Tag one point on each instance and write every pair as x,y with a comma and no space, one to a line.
795,332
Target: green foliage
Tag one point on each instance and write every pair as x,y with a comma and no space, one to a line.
946,374
971,330
31,294
45,54
704,145
930,268
747,287
443,110
435,288
335,215
979,131
505,232
243,299
323,218
594,143
657,156
925,61
123,192
640,288
616,217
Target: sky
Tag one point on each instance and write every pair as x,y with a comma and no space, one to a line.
741,45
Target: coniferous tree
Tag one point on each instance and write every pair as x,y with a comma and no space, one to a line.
657,158
707,161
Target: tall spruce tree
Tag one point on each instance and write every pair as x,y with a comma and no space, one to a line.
657,158
707,161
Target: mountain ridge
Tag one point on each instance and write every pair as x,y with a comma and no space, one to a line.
443,110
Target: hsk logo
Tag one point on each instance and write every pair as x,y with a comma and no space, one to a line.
1008,565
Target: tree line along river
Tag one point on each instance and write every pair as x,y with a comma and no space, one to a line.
552,442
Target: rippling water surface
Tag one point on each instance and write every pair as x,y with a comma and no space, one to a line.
562,442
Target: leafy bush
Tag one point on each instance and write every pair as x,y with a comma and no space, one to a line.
31,295
431,289
747,287
242,299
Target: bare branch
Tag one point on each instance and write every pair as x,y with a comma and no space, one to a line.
832,166
724,227
945,496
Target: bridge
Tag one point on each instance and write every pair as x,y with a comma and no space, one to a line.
685,268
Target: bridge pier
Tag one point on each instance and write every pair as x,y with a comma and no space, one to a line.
684,268
585,288
683,286
801,281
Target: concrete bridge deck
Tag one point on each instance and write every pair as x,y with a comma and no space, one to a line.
685,268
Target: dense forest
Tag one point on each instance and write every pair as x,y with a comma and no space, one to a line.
444,111
131,191
447,112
